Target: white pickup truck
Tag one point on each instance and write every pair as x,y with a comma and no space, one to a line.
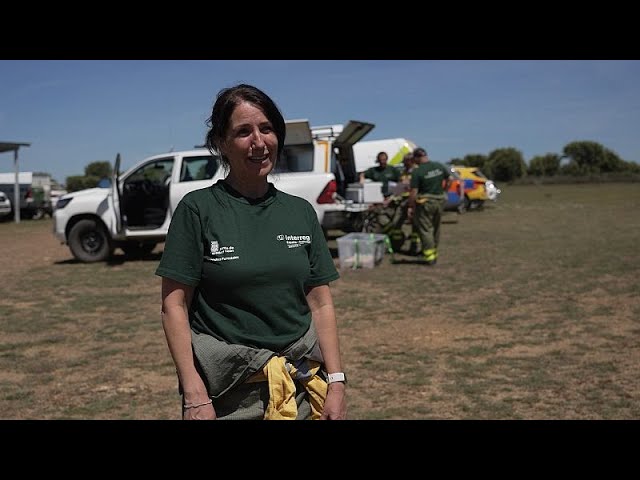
134,210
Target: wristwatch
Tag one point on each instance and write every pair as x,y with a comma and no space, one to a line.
336,377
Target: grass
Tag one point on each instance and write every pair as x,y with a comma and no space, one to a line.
531,313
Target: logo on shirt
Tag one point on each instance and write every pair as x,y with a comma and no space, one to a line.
294,241
221,253
433,173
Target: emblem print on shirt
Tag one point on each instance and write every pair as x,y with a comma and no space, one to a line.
294,241
219,254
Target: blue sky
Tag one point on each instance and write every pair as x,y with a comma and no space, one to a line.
75,112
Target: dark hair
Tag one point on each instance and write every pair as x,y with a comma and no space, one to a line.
419,152
381,153
226,102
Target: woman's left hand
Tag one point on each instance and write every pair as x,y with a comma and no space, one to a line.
335,405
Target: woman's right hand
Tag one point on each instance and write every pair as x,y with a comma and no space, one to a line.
204,412
199,403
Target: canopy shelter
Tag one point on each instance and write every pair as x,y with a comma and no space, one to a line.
14,147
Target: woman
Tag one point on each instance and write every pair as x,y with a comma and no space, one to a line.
246,305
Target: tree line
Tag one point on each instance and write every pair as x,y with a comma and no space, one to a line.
578,159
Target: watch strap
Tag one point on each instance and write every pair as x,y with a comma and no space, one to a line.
336,377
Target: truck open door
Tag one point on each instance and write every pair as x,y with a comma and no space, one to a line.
115,194
298,132
352,133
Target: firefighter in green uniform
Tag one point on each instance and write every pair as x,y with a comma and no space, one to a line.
427,198
397,234
382,173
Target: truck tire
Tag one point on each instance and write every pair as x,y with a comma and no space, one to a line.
89,241
135,249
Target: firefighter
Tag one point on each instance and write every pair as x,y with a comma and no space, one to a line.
382,173
427,199
408,164
397,234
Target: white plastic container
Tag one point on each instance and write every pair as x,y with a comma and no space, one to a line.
367,192
361,250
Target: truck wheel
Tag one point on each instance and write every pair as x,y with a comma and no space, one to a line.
89,241
137,249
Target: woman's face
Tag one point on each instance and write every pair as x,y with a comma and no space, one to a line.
251,144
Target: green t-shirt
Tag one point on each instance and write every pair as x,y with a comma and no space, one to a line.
428,177
383,175
250,262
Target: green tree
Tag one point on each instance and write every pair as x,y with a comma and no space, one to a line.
630,167
573,169
80,182
475,160
505,165
592,157
98,169
93,173
544,165
612,162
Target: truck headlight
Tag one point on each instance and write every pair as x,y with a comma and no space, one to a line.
62,202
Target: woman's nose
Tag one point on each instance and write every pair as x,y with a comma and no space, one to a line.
257,141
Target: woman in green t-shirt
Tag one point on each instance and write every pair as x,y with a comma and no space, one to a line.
246,305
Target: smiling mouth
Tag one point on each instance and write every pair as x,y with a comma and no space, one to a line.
259,159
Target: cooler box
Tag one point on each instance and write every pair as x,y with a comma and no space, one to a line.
361,250
367,192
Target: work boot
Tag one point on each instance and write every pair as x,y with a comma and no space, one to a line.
430,256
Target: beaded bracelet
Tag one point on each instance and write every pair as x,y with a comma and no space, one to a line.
196,405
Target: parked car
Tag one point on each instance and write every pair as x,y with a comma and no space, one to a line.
25,191
477,187
455,194
5,206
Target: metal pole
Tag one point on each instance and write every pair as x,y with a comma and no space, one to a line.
16,188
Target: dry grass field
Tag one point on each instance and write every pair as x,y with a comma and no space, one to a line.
533,312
